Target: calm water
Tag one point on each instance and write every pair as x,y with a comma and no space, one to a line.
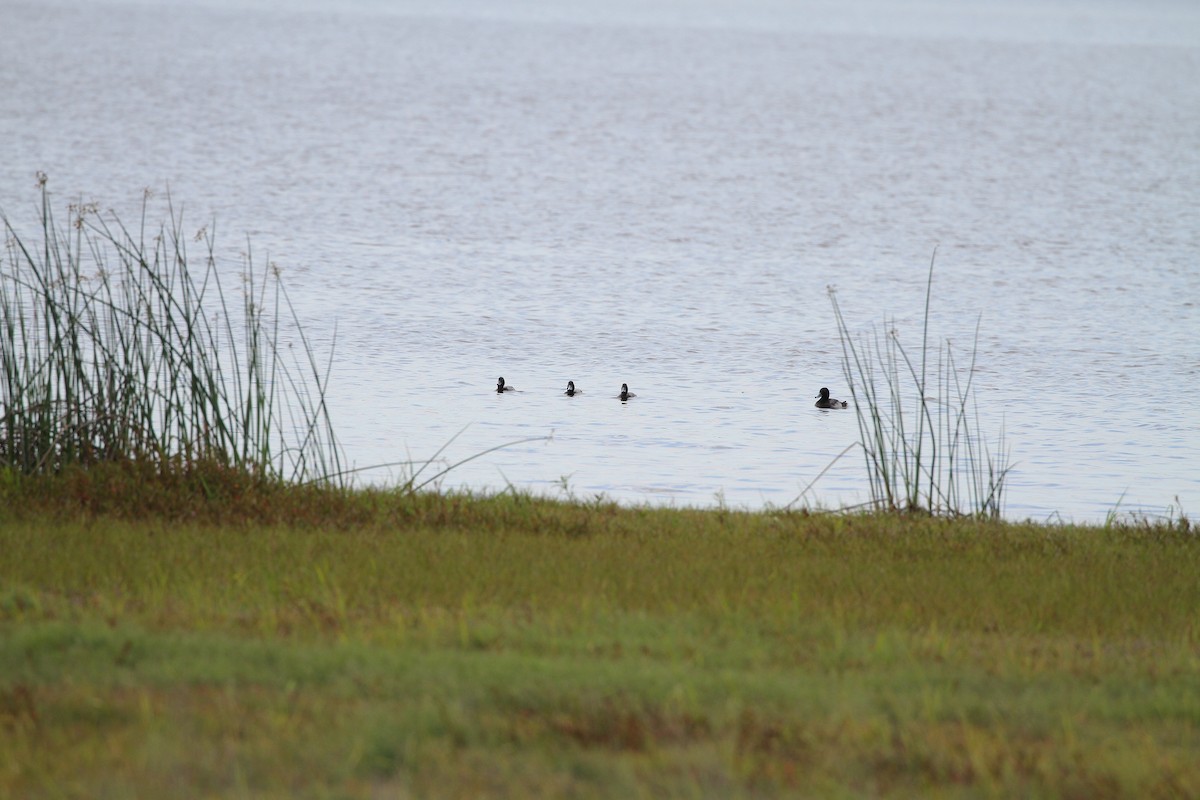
660,194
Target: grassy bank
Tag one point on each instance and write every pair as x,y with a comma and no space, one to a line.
194,604
273,642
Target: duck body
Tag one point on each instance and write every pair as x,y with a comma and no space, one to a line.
571,390
625,393
501,388
825,401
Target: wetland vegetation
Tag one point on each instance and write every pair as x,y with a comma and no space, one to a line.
186,612
258,640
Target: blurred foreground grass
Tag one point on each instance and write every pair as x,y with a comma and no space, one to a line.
225,637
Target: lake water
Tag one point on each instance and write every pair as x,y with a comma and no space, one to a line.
660,193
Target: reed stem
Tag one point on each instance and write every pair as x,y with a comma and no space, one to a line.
936,463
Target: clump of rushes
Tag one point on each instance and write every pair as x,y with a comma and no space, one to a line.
920,433
114,347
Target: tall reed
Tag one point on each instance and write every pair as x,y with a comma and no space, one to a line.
920,433
114,346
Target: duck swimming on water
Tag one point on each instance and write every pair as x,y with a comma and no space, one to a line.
571,390
625,393
501,388
826,401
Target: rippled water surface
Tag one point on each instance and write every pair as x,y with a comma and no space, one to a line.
660,194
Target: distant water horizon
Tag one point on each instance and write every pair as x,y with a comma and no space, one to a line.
663,194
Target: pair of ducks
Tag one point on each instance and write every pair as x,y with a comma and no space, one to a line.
571,391
823,399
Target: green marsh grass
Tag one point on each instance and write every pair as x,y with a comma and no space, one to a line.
241,627
118,345
372,643
919,425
